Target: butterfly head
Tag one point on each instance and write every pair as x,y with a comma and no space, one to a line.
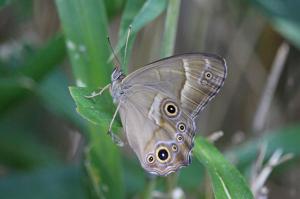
117,74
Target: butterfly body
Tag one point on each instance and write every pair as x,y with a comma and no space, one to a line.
158,105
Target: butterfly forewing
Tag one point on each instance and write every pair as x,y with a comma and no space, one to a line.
192,79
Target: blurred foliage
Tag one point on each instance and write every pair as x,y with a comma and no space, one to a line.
53,92
35,66
43,156
52,183
4,2
31,156
284,16
287,139
113,7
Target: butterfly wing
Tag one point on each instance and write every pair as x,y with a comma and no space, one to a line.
192,79
161,148
159,106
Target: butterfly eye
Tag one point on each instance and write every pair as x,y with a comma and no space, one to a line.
174,147
179,138
171,109
181,127
208,75
163,154
150,159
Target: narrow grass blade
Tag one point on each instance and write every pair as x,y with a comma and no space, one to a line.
170,29
148,12
131,10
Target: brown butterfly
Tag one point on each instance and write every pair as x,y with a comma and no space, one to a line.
158,105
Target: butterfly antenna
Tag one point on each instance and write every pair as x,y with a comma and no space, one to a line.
126,44
116,61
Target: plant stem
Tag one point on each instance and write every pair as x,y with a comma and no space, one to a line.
167,47
170,29
150,186
270,87
171,182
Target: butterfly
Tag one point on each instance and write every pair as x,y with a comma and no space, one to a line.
158,105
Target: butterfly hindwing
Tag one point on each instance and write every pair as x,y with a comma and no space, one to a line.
149,130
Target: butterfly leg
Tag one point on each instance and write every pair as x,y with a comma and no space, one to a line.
94,94
113,136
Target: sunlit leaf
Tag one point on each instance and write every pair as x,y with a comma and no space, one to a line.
95,109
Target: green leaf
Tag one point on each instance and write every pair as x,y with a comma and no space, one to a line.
85,27
95,109
227,182
54,183
147,13
86,40
284,16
